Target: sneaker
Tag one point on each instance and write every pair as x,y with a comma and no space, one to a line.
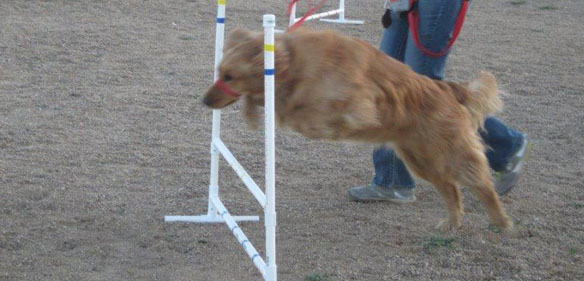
506,179
372,192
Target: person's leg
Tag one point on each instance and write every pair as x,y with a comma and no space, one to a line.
507,146
435,27
501,141
506,149
436,22
394,38
392,181
390,170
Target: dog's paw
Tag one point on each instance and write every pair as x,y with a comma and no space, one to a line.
448,225
505,223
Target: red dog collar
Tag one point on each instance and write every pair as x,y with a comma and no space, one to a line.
225,89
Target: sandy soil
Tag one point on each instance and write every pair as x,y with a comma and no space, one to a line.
102,133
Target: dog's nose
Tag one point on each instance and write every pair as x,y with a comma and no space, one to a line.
207,101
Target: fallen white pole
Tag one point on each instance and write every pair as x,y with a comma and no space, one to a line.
240,236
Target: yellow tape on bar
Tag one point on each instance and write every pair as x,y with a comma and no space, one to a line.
221,2
268,47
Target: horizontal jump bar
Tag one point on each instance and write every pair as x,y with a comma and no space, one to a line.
207,218
322,15
243,175
239,235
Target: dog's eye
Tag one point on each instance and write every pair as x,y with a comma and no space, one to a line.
227,77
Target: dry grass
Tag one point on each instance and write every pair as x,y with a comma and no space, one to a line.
102,133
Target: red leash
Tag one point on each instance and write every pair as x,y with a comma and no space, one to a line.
413,18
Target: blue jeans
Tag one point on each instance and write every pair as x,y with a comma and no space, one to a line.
437,19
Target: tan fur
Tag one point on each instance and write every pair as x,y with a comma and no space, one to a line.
335,87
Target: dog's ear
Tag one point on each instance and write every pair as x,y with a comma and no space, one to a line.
281,57
282,60
238,36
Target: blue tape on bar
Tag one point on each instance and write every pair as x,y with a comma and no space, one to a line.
243,242
254,256
269,71
220,20
224,212
232,229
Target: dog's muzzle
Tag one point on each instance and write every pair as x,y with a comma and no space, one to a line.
226,90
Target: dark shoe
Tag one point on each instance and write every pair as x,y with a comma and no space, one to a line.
372,192
506,179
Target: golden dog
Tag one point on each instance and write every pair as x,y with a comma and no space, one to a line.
330,86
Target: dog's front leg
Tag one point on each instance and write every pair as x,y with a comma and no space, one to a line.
251,114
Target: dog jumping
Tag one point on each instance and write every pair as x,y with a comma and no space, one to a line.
335,87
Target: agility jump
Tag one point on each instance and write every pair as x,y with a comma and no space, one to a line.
217,212
340,11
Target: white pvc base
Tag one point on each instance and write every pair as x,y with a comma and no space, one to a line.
207,218
344,21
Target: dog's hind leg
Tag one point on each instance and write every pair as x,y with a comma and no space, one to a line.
485,190
432,170
476,175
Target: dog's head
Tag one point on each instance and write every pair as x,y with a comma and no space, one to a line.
240,70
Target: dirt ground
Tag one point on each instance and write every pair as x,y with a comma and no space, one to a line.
102,133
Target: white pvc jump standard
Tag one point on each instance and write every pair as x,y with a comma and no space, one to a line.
212,215
340,11
217,212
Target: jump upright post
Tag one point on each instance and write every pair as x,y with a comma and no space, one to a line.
340,11
217,212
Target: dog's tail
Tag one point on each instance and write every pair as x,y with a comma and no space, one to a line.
483,98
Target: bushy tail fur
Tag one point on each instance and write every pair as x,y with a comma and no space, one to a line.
483,99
